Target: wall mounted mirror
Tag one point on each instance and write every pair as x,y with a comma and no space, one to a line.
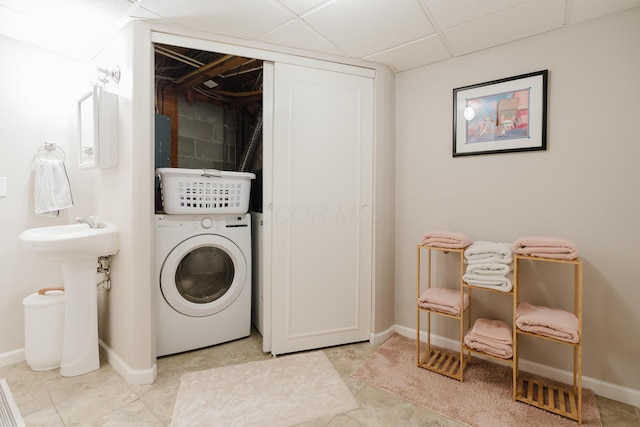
98,129
87,129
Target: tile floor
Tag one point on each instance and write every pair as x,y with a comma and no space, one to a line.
103,398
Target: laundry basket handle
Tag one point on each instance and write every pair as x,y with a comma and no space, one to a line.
211,173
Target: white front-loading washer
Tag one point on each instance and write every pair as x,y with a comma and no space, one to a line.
203,273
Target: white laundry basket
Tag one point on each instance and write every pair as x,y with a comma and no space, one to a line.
44,328
204,191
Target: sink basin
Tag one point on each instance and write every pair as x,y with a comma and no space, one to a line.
77,248
71,242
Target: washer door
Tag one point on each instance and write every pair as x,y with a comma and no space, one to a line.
203,275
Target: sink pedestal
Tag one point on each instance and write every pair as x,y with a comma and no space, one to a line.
80,353
77,248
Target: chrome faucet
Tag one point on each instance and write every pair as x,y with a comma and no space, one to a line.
90,221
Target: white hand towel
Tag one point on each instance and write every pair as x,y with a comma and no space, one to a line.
482,252
498,283
490,269
52,190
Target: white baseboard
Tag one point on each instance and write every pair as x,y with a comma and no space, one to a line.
11,357
131,375
601,388
380,337
147,376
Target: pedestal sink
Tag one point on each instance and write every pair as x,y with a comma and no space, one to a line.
77,247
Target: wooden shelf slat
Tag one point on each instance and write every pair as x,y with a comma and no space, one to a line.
549,396
442,362
541,394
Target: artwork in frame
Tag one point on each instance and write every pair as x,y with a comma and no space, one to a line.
501,116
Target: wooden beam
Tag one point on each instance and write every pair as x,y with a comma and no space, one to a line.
236,94
207,71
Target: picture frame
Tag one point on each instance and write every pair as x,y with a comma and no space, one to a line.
501,116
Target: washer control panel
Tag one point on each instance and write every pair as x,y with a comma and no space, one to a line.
207,223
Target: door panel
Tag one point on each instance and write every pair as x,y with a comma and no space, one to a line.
320,219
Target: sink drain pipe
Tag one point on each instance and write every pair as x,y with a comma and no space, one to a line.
104,268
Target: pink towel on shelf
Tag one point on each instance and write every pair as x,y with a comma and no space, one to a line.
498,350
550,322
493,331
546,247
443,299
493,337
446,239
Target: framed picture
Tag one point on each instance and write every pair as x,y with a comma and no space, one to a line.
501,116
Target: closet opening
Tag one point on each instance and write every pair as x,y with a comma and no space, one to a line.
208,113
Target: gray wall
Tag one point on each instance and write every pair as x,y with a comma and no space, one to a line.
585,187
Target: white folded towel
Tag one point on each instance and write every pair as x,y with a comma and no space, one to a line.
499,283
52,190
490,269
482,252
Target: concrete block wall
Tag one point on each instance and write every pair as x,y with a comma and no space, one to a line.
205,140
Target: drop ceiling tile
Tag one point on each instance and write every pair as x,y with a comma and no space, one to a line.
296,34
584,10
451,13
513,24
142,13
51,26
412,55
300,6
246,19
362,27
112,8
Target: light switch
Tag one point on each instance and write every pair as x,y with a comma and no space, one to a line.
3,186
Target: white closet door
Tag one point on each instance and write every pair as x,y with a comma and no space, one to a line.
320,218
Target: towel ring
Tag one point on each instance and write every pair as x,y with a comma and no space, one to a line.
51,147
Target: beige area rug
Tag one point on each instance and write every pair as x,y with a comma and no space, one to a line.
485,398
9,413
285,391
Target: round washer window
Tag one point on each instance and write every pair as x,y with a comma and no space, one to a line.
203,275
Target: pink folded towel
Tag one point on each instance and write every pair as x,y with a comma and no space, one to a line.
498,350
550,322
493,337
446,239
546,247
492,331
443,299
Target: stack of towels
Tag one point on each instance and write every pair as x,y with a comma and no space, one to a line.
443,300
489,336
546,247
446,239
550,322
489,265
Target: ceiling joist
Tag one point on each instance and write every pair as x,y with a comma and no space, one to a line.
210,70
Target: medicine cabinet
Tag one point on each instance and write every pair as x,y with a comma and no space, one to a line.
98,129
